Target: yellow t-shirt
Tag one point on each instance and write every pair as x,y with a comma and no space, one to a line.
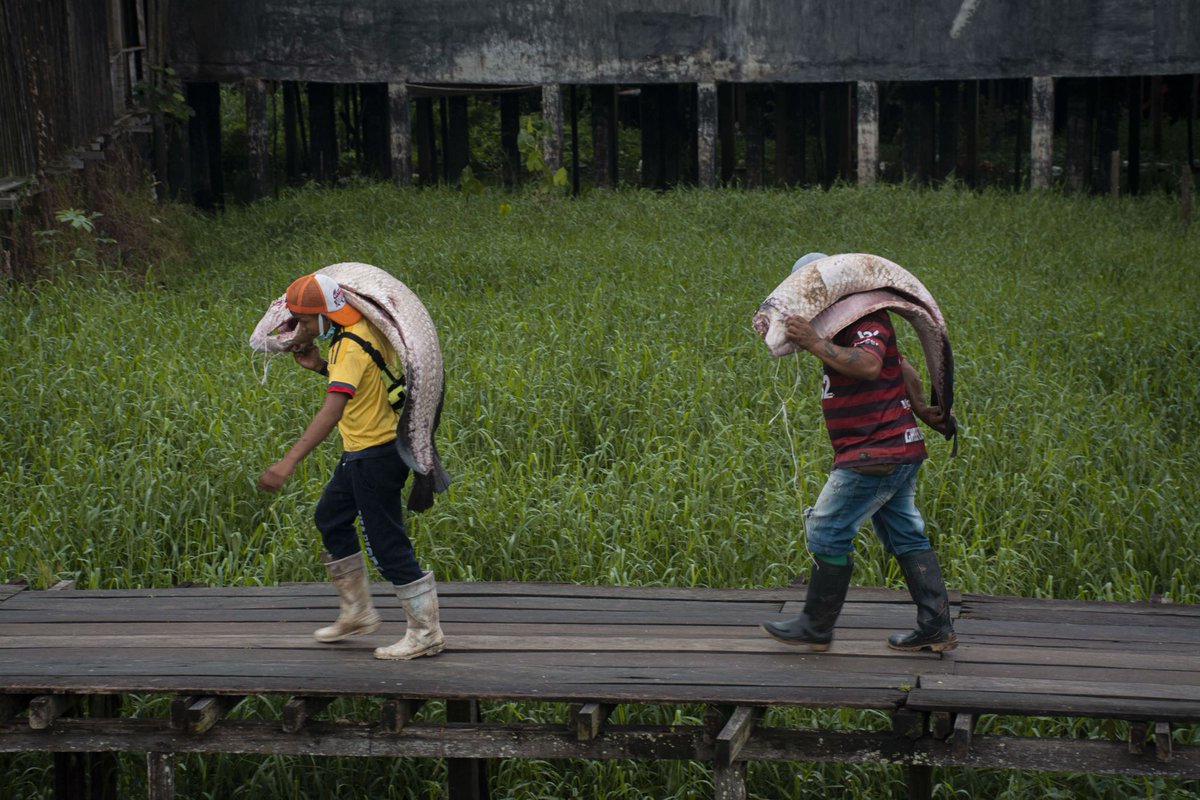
368,419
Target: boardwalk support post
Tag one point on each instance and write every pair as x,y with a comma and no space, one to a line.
11,705
397,713
1041,133
160,776
44,709
588,719
467,777
1137,737
868,132
729,781
963,729
399,133
941,724
299,710
199,714
707,114
736,733
1162,741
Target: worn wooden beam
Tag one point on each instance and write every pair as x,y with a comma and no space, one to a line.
45,709
736,732
397,713
510,129
494,740
298,711
604,135
587,719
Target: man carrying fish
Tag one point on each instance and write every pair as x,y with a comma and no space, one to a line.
869,397
368,480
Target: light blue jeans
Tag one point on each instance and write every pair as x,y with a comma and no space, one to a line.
849,498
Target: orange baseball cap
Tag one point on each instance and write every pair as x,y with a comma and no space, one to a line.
321,294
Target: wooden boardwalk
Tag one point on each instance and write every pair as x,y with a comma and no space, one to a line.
595,648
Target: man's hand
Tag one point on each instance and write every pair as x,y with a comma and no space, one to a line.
931,416
309,358
273,478
800,331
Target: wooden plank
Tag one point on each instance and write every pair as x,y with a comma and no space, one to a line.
1076,673
8,590
996,606
964,683
1162,741
1053,705
729,781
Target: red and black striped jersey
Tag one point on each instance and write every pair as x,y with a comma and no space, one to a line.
871,422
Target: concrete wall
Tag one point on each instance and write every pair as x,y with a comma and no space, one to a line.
678,41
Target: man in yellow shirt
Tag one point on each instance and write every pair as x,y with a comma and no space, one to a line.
369,478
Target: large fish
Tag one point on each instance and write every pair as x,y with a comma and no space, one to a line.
835,291
398,313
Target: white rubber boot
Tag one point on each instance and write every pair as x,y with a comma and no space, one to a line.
357,616
424,634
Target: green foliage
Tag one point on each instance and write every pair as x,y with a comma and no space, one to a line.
162,93
528,144
611,418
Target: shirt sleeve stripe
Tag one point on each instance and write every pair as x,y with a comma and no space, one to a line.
337,386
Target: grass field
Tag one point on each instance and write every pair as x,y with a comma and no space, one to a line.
611,418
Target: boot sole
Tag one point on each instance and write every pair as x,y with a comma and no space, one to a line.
937,647
428,651
360,631
816,647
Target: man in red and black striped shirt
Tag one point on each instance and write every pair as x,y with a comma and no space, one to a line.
871,398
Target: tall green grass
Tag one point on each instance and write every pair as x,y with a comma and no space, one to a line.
611,418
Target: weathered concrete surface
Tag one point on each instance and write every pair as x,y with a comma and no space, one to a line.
649,41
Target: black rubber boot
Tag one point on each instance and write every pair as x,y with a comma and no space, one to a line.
827,586
925,586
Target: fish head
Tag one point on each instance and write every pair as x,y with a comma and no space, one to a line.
279,331
770,323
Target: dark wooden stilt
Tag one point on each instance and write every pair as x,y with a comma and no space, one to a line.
291,138
918,132
204,133
1079,144
604,136
458,143
376,138
947,130
574,141
257,142
323,132
510,129
753,129
650,115
467,777
160,776
726,96
970,124
1108,122
790,138
1041,133
426,142
1017,147
1135,135
552,113
103,768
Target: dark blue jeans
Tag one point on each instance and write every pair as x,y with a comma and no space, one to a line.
369,484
